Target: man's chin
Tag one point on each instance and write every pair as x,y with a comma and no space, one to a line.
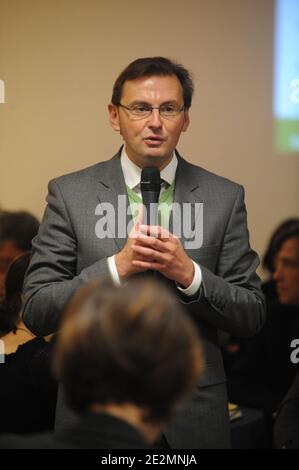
151,157
157,154
154,156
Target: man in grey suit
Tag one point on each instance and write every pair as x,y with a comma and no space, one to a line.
213,274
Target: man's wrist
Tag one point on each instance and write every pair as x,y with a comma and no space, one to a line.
119,266
194,287
113,270
189,277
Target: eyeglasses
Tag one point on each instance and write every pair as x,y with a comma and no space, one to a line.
144,110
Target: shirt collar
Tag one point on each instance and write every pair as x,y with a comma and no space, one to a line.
132,172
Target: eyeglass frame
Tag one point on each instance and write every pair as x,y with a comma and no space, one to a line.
129,108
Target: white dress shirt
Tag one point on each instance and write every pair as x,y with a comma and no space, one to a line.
132,175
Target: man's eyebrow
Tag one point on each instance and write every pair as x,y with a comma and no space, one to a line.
170,102
139,102
149,104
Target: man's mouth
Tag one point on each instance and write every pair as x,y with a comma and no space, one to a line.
153,140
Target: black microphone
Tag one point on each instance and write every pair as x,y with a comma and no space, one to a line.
150,190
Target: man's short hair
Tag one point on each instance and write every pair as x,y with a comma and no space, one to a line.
154,66
19,228
129,344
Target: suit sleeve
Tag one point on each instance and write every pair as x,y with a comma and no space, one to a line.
231,299
52,276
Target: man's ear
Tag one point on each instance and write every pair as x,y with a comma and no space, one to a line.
186,121
113,117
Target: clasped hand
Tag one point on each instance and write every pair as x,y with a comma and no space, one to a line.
155,248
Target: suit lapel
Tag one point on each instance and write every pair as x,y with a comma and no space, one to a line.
187,196
112,190
113,193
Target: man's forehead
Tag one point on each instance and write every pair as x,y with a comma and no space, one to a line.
166,86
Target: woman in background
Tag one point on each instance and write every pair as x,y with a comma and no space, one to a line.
28,391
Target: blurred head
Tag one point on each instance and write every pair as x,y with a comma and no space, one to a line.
150,139
17,229
11,305
286,270
280,234
128,345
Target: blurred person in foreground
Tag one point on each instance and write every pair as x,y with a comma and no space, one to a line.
127,360
17,229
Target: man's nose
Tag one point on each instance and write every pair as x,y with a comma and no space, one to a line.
155,118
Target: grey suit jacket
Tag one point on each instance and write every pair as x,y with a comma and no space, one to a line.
67,253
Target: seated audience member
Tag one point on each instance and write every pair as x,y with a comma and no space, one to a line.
275,242
230,344
286,428
127,358
28,391
263,371
16,232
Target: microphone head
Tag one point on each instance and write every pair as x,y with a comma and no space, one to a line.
150,179
150,186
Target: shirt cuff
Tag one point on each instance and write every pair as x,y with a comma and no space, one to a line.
195,284
113,270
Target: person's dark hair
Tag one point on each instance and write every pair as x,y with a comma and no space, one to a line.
154,66
11,306
133,343
286,230
19,228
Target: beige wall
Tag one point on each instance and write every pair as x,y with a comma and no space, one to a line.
59,59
